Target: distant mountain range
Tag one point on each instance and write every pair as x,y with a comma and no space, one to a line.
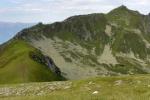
9,29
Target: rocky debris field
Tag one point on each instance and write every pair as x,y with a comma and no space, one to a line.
33,88
135,87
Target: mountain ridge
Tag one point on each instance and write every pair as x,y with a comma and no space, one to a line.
92,45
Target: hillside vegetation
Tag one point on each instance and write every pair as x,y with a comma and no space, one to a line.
17,66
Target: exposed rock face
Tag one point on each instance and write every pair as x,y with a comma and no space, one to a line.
52,65
108,30
40,58
107,56
66,57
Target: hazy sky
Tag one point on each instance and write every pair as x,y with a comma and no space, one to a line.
56,10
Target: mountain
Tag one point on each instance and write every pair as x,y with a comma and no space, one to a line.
117,43
9,29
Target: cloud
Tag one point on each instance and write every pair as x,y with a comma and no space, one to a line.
143,2
56,10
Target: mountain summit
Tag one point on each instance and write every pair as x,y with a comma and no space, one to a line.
84,46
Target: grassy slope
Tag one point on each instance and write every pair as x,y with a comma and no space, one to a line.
16,65
109,88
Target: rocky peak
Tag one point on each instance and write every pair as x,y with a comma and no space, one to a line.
119,9
122,7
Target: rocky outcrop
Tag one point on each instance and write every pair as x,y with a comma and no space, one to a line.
52,66
45,60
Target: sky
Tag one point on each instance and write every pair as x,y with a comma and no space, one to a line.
47,11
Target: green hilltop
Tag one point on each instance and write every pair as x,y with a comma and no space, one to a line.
16,66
